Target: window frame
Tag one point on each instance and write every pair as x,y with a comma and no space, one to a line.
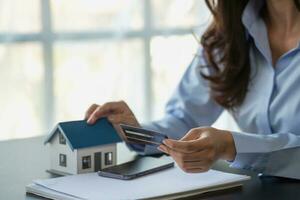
61,163
61,139
89,159
107,160
47,37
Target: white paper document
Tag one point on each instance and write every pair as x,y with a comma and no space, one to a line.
171,181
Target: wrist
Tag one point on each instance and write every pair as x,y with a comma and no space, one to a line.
230,151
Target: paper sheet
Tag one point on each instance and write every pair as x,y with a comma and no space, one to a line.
48,193
174,180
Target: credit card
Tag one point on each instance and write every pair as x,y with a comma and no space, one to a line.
142,136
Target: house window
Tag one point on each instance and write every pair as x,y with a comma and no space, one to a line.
86,162
108,158
62,139
62,160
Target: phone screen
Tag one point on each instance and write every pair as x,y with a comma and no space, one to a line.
137,168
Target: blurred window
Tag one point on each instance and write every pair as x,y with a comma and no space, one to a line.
58,57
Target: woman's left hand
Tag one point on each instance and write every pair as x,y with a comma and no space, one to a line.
200,148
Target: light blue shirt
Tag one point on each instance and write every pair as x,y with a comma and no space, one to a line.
269,116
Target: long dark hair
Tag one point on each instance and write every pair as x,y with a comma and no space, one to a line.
226,38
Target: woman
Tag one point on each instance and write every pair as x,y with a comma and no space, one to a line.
249,64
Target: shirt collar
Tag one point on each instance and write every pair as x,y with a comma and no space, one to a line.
256,28
251,13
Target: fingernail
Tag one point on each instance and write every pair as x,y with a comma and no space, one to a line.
90,121
161,148
166,142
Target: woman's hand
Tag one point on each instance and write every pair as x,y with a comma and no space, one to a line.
200,148
116,112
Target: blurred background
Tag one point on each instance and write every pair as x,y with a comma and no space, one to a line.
59,56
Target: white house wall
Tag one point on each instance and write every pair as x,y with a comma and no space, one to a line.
55,149
90,152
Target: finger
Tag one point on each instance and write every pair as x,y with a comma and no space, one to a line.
185,158
162,148
191,157
191,135
116,118
90,110
104,110
93,117
194,164
122,119
196,170
184,146
185,166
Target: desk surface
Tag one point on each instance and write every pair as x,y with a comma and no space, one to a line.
27,159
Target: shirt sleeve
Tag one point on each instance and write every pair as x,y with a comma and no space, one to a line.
272,154
189,106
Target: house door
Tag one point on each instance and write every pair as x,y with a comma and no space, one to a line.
97,162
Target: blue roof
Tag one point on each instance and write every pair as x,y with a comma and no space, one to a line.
79,134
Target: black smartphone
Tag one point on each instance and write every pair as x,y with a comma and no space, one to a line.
137,168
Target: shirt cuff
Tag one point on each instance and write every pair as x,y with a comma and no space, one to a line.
248,161
246,157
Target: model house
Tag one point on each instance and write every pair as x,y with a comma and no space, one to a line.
77,147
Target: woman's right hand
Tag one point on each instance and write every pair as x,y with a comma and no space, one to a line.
116,112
